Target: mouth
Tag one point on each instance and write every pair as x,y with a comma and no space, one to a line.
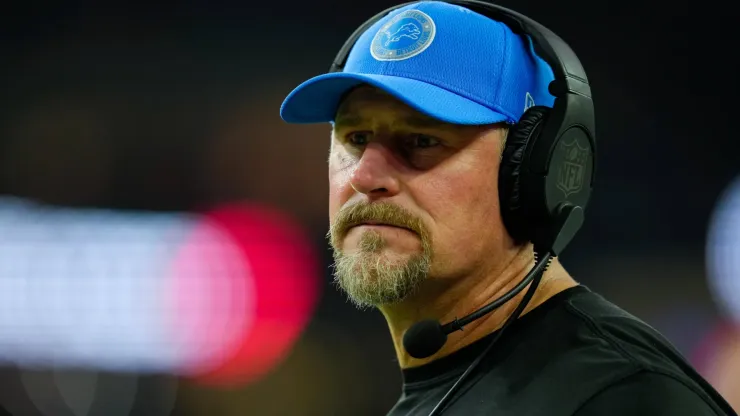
380,224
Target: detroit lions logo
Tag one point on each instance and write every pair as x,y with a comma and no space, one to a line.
405,35
408,30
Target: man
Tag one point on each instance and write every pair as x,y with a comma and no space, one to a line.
420,117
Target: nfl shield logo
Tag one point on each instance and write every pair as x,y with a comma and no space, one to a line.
570,177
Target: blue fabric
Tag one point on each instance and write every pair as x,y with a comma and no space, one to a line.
444,60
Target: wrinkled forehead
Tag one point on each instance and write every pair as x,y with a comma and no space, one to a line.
366,102
362,96
367,92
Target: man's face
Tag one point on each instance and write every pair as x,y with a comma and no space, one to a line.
411,199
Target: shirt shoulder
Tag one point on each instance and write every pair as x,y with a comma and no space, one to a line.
588,347
656,372
653,394
617,331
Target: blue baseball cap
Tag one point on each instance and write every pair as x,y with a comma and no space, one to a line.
443,60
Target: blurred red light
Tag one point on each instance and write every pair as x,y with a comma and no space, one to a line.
284,273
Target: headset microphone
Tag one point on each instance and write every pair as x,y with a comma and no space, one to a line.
425,338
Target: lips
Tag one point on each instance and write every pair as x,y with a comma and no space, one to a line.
382,224
376,223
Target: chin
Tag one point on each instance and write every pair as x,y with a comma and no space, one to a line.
389,256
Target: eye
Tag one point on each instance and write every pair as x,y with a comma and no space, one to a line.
358,138
422,141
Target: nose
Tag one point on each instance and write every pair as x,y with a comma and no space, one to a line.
375,175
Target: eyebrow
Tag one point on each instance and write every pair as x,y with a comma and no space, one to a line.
348,121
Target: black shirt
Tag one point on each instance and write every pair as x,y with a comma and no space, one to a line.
575,354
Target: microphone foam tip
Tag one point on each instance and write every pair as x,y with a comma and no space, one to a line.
424,338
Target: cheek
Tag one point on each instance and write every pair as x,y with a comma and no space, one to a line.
465,210
340,190
463,200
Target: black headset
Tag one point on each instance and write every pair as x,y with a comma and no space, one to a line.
546,174
548,165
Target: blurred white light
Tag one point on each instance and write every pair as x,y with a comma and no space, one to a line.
723,252
141,292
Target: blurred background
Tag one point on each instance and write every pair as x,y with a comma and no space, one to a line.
160,118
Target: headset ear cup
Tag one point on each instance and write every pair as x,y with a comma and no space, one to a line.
511,194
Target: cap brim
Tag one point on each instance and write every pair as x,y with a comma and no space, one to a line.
317,100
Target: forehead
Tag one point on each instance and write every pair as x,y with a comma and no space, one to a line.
366,94
366,102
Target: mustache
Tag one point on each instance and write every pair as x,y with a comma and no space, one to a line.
384,213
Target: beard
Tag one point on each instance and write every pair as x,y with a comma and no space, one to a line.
369,277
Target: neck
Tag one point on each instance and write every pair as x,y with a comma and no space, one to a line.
469,294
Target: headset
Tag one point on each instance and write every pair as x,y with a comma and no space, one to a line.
546,174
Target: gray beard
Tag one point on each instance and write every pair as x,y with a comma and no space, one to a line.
371,280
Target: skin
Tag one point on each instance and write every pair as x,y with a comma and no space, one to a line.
446,177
